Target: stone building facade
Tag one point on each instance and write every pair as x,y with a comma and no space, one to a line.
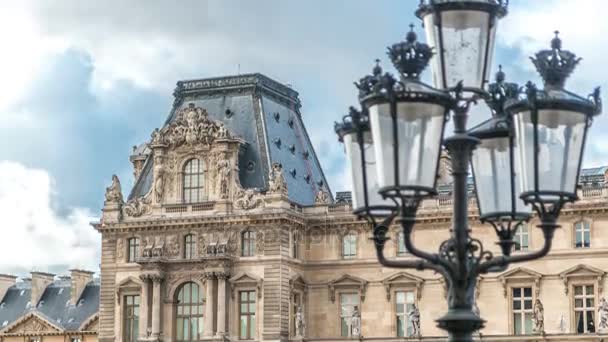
49,308
231,233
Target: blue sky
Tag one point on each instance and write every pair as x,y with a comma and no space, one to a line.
83,81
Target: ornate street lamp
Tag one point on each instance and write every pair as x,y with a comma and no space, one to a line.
528,155
495,167
462,32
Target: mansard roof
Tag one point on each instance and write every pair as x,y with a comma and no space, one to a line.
54,305
266,115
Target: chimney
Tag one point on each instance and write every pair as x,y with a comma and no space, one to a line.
80,279
6,281
40,281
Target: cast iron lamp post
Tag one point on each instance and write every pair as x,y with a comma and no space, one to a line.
525,158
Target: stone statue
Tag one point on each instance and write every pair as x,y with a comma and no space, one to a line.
247,199
159,246
222,132
300,322
414,316
159,181
277,182
538,317
603,313
322,196
355,322
223,174
147,251
113,192
561,325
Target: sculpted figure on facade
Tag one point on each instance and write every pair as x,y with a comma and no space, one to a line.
277,182
223,177
137,207
202,245
172,246
159,246
322,196
159,181
603,313
114,192
147,250
300,324
538,317
414,316
355,322
120,249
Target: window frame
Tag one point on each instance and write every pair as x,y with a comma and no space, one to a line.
573,310
189,246
251,325
135,246
355,294
396,314
585,226
188,173
129,319
519,236
354,239
523,311
248,241
199,316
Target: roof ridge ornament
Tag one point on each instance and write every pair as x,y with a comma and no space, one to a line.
555,65
410,57
499,92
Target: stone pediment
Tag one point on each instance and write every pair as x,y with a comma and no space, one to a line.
402,279
581,272
520,274
298,282
347,281
91,324
245,279
32,323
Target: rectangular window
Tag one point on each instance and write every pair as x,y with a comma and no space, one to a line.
133,249
584,309
521,238
349,246
582,231
404,301
189,246
247,315
348,303
401,250
131,318
248,243
295,251
521,307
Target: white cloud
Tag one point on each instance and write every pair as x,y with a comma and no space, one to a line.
34,235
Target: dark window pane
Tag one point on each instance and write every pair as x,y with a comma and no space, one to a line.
527,292
516,292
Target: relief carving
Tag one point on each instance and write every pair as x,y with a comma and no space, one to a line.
248,199
202,245
172,246
322,196
191,126
137,207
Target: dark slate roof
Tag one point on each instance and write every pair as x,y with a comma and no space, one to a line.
54,305
260,111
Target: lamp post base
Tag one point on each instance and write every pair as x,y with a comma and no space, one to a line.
461,324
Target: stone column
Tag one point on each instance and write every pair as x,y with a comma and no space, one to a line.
143,308
221,303
209,305
156,305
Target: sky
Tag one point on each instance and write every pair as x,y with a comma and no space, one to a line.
81,82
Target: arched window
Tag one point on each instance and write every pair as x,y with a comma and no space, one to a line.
193,181
248,243
189,246
133,244
190,311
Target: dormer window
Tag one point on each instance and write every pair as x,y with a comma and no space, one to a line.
193,181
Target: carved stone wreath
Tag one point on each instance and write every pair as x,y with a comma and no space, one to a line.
137,207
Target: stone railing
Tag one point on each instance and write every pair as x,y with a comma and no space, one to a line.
188,208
